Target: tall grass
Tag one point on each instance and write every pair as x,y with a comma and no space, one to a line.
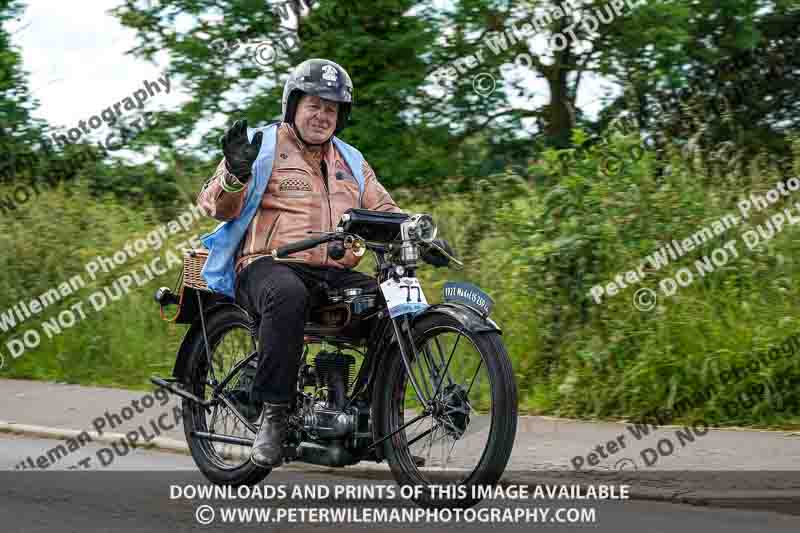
52,240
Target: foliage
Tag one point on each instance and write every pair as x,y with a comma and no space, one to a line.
380,44
740,87
52,240
17,129
609,359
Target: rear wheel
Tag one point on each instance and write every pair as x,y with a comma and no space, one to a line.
466,420
231,340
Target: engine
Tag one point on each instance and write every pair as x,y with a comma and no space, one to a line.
333,377
323,414
332,433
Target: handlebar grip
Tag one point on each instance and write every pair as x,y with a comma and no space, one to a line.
299,246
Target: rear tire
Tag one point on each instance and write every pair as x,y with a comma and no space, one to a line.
220,324
393,389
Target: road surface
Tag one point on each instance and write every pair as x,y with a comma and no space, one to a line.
139,493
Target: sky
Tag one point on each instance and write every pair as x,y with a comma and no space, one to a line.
75,56
74,53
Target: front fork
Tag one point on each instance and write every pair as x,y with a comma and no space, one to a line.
438,372
408,353
407,349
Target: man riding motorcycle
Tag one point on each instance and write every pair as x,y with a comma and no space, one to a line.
310,182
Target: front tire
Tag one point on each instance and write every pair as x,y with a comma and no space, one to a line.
462,411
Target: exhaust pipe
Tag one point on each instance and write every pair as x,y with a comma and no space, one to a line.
329,454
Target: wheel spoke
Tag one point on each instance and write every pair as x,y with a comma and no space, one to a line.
214,417
474,376
447,366
441,359
227,351
421,377
451,450
430,442
418,437
442,463
433,369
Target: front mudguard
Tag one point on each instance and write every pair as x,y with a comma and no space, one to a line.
196,331
472,320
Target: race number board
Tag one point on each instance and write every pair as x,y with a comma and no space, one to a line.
403,296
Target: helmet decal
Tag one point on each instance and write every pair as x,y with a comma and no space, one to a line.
329,73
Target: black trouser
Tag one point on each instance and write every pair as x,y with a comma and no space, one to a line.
282,295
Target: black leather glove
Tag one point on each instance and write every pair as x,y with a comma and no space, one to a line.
239,152
436,258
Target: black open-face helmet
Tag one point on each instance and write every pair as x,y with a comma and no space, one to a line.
323,78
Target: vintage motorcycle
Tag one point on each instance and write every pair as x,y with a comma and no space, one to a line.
434,393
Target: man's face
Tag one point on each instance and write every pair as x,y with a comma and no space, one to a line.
315,118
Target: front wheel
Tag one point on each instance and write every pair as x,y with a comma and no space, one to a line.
465,406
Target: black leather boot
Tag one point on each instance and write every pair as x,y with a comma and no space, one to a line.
267,449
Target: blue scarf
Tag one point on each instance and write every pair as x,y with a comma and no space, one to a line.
223,242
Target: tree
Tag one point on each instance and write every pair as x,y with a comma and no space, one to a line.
18,131
741,90
381,44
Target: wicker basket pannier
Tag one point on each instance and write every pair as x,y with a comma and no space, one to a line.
193,262
190,280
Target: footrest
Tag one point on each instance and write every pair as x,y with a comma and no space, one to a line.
167,383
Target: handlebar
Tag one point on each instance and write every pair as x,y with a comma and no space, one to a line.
305,244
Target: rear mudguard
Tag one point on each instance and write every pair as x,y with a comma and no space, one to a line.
196,331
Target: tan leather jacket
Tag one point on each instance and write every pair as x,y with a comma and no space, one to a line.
298,199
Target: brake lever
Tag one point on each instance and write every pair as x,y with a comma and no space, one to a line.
450,257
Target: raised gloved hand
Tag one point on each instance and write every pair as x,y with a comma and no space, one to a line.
435,257
239,152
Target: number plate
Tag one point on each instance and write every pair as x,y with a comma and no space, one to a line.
404,296
468,294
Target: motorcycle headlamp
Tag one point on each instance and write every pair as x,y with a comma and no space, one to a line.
419,228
